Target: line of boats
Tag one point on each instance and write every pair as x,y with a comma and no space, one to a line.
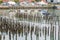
24,3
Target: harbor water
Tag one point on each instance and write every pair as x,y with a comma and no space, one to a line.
28,27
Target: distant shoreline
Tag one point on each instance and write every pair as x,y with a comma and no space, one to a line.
22,7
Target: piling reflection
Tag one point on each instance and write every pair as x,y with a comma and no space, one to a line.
19,34
28,27
21,30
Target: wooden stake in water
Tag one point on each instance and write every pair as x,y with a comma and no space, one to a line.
39,31
0,37
37,34
16,35
30,30
9,35
13,36
31,35
34,25
23,25
55,30
54,33
49,30
45,33
26,30
25,35
27,22
42,33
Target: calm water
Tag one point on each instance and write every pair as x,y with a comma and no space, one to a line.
27,32
23,36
